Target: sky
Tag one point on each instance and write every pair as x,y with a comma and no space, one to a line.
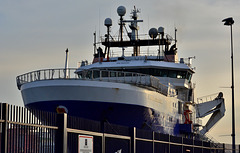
35,34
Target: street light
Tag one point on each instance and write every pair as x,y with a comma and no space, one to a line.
229,22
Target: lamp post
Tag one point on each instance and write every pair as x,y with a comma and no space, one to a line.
229,22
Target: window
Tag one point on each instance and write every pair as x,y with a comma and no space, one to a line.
157,72
163,73
189,77
172,74
104,73
96,74
112,74
181,75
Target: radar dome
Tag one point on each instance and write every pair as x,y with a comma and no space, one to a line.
160,30
153,32
108,22
121,10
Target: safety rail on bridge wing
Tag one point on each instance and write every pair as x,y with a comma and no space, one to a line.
100,75
208,98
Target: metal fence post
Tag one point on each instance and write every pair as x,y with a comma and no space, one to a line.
153,135
4,127
133,140
223,147
61,134
103,136
169,145
182,144
103,143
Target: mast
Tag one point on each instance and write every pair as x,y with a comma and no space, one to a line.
161,36
134,27
134,41
108,24
121,10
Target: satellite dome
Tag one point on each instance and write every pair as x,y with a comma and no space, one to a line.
160,30
153,32
121,10
108,22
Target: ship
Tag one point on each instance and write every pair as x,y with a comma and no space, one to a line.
150,90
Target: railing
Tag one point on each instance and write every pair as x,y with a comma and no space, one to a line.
140,37
26,130
137,79
46,74
207,98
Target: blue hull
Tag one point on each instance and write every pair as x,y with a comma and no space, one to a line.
120,114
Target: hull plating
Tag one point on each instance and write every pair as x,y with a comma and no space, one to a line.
112,113
125,105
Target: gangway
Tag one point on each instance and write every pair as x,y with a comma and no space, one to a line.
208,105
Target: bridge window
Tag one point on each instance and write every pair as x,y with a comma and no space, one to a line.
181,75
189,77
172,74
163,73
96,74
112,74
156,72
104,73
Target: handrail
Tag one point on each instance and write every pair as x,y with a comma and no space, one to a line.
97,75
207,98
46,74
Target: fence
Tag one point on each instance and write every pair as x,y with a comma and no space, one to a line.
31,131
26,131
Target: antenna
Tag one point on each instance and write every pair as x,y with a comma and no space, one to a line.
176,36
66,65
94,43
99,32
161,36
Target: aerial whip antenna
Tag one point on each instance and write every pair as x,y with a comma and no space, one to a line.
66,65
